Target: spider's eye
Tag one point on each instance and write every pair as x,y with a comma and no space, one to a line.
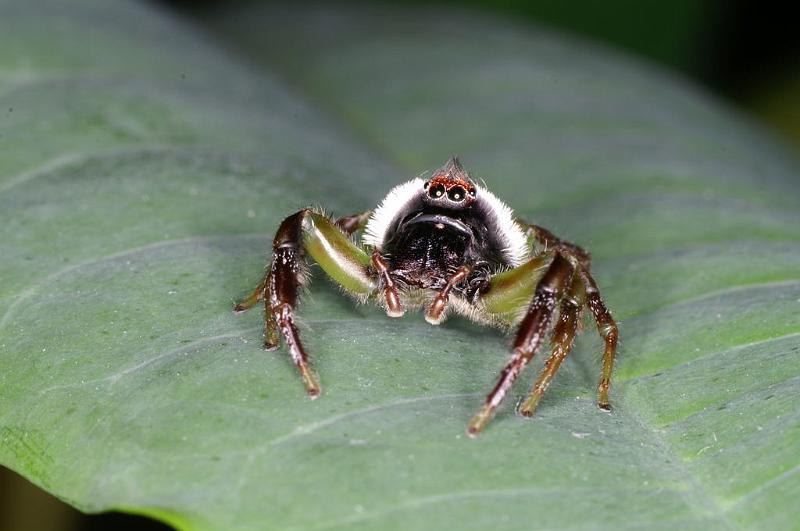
456,193
436,191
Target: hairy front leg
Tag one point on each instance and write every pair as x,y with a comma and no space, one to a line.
306,232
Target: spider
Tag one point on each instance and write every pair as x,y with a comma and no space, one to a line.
443,244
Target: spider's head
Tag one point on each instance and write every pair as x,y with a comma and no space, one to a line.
449,202
450,187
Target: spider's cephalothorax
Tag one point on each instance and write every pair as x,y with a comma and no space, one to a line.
429,231
444,243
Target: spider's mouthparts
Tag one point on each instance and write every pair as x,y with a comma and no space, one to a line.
441,222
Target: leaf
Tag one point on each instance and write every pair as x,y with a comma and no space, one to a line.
146,161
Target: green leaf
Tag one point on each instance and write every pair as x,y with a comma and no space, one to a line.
145,162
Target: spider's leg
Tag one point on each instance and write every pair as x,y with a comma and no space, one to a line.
435,311
354,222
607,328
550,241
259,294
605,323
307,232
394,307
531,331
563,336
286,277
271,339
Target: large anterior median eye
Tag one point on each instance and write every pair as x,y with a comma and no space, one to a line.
456,194
436,191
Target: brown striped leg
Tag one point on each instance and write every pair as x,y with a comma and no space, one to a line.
353,223
308,234
259,294
393,306
285,278
607,328
605,323
550,241
529,336
563,336
435,311
271,339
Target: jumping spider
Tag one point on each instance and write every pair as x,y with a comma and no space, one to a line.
439,244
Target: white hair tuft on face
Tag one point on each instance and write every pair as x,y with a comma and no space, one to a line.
381,218
515,244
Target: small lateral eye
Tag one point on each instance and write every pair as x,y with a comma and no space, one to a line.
426,185
456,193
436,191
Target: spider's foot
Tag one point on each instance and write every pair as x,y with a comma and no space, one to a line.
528,407
271,338
602,390
480,420
248,302
310,381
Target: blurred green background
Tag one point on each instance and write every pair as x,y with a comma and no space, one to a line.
743,52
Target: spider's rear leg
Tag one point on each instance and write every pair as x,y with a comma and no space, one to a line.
607,328
530,333
569,316
312,233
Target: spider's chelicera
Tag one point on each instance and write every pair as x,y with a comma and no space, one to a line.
444,244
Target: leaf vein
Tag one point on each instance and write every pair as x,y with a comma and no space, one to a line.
115,377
